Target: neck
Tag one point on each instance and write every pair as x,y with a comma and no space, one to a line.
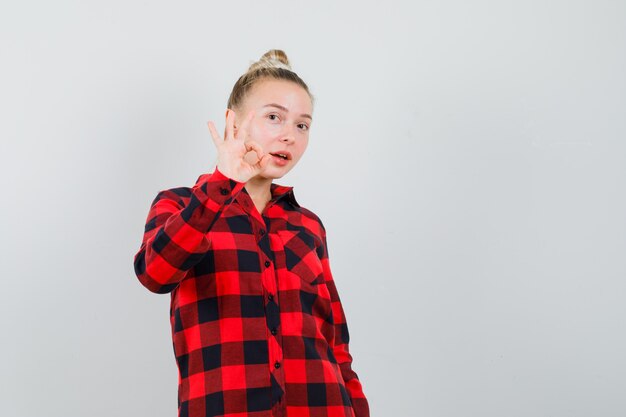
259,190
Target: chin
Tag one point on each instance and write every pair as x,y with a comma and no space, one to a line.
274,173
271,176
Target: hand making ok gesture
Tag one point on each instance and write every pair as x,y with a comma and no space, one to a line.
231,150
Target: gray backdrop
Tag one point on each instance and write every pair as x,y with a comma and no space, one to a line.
467,158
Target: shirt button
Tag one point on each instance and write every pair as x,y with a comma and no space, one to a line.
270,297
274,331
224,191
277,365
267,263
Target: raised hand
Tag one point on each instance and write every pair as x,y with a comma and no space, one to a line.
232,149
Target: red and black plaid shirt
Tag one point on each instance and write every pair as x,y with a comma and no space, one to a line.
258,328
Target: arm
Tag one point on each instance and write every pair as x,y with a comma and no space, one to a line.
175,237
342,338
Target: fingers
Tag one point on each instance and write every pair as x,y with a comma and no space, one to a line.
216,137
254,146
263,158
243,129
263,162
229,130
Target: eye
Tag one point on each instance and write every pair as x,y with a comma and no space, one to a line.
272,116
303,126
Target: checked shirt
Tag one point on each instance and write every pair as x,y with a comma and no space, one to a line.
257,324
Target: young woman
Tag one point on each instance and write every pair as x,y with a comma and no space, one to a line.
258,328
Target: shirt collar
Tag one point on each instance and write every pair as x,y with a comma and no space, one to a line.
283,191
279,192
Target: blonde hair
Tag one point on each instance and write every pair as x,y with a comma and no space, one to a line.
274,64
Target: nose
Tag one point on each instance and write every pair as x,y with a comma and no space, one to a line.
288,134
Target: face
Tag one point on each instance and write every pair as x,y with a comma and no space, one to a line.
281,123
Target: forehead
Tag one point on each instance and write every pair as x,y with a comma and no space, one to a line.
286,93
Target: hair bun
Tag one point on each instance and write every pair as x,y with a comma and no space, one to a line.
274,58
273,65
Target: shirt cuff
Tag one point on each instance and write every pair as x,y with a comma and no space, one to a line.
219,175
211,194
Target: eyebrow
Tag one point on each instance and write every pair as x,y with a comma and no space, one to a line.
283,108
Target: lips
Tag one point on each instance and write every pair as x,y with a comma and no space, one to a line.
282,154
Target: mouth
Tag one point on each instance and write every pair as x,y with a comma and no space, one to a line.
283,155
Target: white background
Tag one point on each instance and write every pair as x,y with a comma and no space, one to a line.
467,158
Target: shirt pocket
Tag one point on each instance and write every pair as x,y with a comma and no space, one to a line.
301,250
304,272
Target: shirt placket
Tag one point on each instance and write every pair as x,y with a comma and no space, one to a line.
261,227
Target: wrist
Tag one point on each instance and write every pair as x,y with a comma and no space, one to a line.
226,174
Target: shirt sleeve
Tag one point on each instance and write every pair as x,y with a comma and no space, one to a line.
342,338
175,236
